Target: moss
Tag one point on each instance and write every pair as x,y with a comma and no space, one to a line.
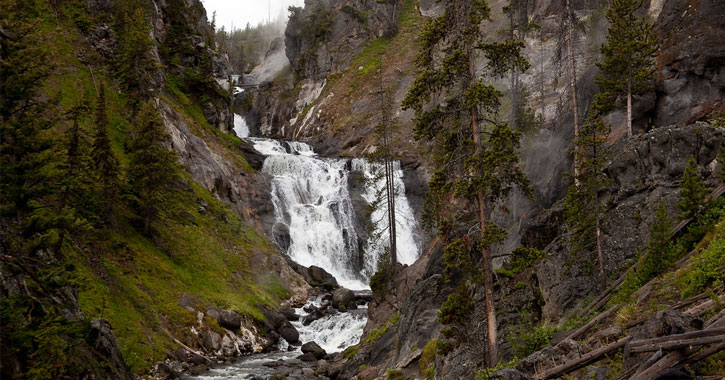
394,374
376,334
427,358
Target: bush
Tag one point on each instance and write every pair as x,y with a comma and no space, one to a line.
427,358
707,268
522,258
531,340
456,307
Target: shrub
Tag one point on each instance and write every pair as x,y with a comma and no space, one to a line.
427,357
456,307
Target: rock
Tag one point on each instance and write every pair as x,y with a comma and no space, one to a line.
343,298
320,278
198,369
290,314
565,350
166,372
230,320
197,360
509,374
104,342
211,340
596,373
289,332
308,357
315,349
273,317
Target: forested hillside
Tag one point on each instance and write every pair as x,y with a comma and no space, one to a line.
522,189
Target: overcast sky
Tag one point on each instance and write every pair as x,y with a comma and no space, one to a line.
241,12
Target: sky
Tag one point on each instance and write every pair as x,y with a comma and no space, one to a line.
241,12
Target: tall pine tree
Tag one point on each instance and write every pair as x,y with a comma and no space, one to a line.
475,154
583,207
628,65
153,169
105,161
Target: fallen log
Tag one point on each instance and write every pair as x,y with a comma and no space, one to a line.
677,344
187,348
699,309
712,350
673,358
580,331
675,337
584,360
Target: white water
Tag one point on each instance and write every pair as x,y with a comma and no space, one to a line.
240,126
311,197
334,333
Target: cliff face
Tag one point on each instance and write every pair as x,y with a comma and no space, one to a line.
335,106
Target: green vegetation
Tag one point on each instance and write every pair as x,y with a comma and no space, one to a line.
475,153
394,374
376,334
707,269
94,202
426,364
532,339
351,351
522,258
692,191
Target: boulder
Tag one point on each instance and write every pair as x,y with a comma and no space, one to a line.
308,357
166,372
273,317
226,318
211,340
289,332
315,349
318,277
290,314
102,338
343,298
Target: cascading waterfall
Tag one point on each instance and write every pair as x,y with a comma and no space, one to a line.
312,201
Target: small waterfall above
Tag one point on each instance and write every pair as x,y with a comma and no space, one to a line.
316,219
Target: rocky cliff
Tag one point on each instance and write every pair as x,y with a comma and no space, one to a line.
334,106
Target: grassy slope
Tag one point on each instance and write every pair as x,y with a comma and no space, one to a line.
136,282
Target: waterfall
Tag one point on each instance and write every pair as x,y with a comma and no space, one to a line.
314,206
240,126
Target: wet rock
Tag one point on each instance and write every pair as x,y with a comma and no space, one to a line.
343,298
290,314
315,349
319,277
289,332
198,369
166,372
308,357
274,318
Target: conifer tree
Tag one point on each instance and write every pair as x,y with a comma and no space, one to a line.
583,206
153,168
692,191
475,162
133,62
105,161
627,66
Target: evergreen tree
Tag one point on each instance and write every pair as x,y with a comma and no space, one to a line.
583,206
659,253
133,62
153,169
628,66
105,161
474,162
692,191
28,170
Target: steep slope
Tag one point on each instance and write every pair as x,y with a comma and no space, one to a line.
196,281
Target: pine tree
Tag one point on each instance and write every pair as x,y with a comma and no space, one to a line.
467,167
692,191
658,255
153,169
105,161
133,62
628,65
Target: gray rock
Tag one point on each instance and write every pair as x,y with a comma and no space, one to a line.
211,340
226,318
343,298
166,372
509,374
104,342
315,349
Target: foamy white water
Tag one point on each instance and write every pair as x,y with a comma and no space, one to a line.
311,199
240,126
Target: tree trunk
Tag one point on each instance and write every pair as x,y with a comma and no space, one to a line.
629,107
492,348
572,77
598,231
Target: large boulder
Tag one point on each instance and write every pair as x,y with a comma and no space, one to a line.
226,318
289,332
343,298
320,278
211,340
315,349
